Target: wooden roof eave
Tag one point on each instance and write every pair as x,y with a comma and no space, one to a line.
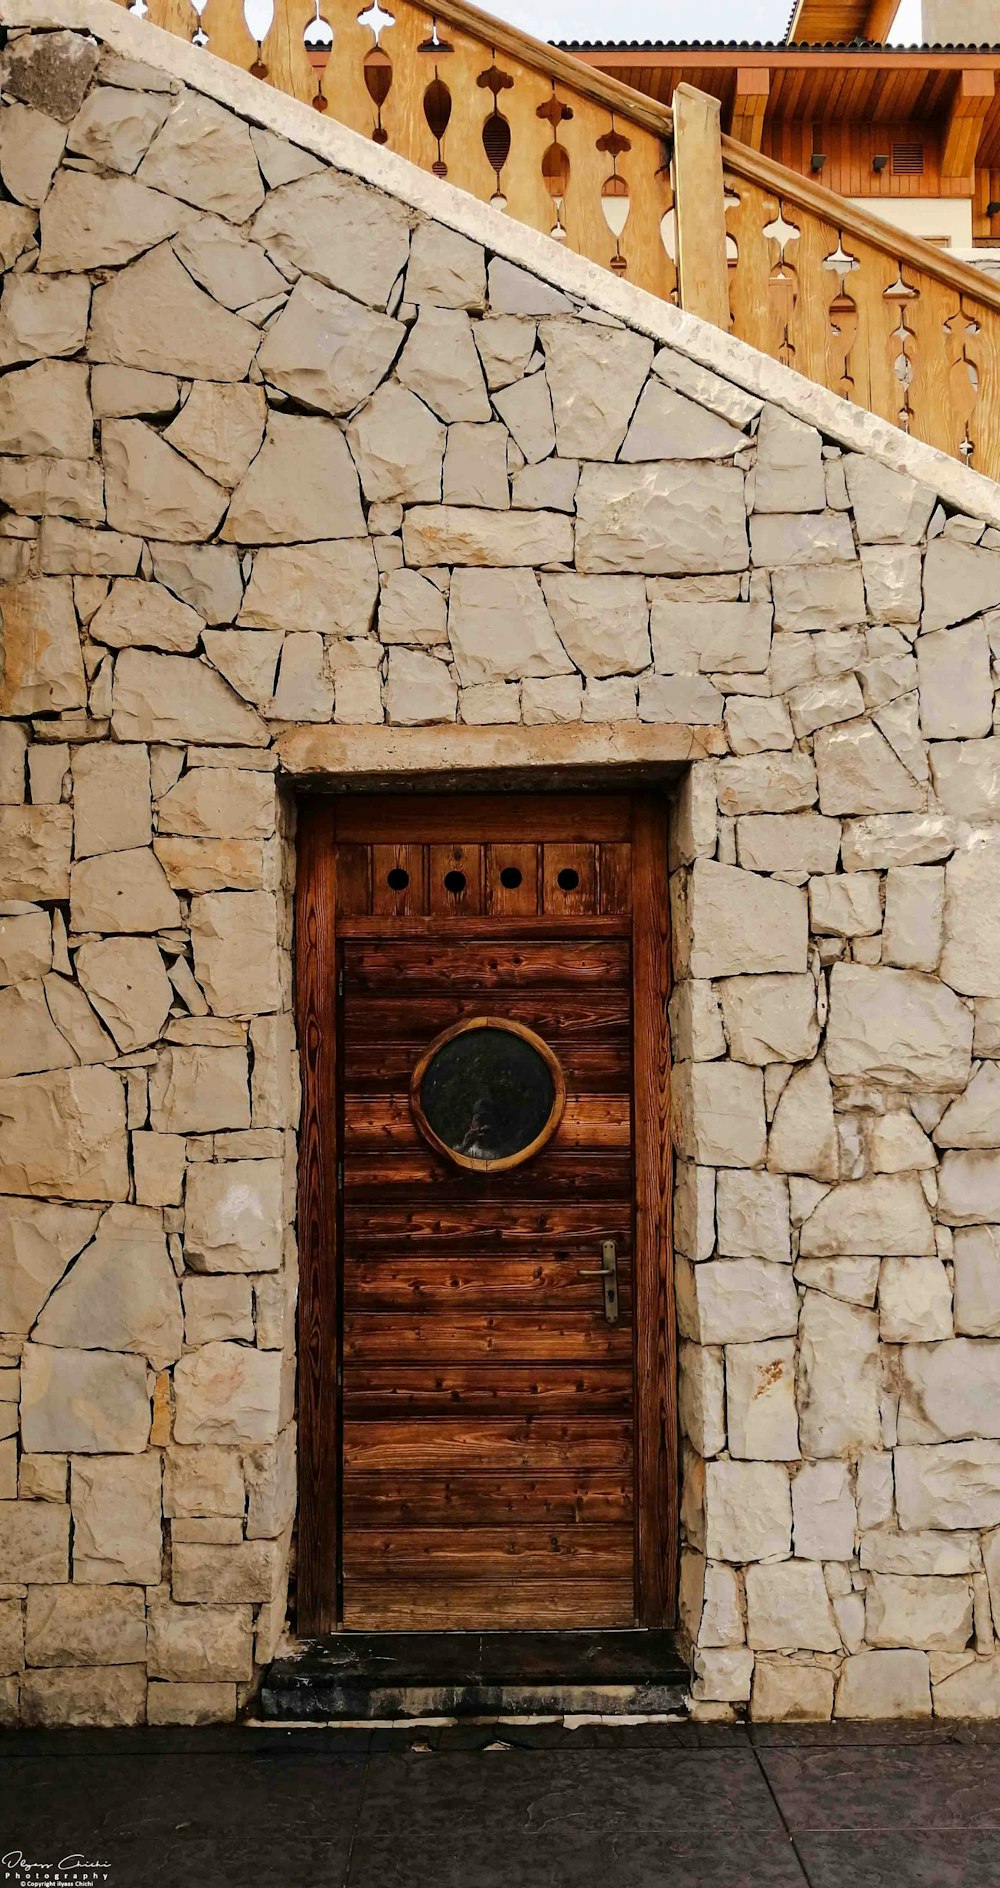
930,59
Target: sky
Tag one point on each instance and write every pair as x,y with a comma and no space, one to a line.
670,19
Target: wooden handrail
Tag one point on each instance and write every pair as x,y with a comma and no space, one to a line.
560,145
588,81
888,321
943,264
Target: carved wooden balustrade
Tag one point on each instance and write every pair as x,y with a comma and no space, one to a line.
888,321
574,154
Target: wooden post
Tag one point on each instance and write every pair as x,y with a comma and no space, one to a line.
699,200
753,89
972,100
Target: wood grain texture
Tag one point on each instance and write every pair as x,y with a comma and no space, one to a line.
568,1017
656,1452
449,1444
478,1389
478,1354
421,1279
390,1121
499,1443
475,818
319,1454
496,966
581,1494
502,1336
527,1605
701,222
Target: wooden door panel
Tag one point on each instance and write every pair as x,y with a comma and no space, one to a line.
501,1336
563,1227
455,880
372,1176
402,1500
512,880
373,1122
482,1552
387,1605
602,1068
475,818
416,1282
398,881
494,966
481,1389
453,1445
569,879
564,1017
487,1408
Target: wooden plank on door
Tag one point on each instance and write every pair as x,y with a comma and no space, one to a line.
656,1405
559,1496
521,1606
319,1454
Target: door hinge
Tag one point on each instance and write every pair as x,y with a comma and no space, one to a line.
340,1175
340,982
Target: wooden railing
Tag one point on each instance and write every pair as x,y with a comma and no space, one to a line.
566,150
888,321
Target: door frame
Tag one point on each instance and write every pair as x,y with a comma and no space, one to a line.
319,1236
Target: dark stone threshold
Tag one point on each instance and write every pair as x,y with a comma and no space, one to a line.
360,1675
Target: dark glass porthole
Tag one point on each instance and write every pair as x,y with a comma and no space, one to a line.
487,1094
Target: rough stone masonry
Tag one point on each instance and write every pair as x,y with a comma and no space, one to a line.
280,451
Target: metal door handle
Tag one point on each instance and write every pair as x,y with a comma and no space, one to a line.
609,1272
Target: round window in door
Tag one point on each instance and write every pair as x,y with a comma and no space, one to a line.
487,1093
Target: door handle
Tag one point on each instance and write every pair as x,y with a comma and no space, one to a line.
609,1272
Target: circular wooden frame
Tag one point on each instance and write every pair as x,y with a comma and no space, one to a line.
555,1112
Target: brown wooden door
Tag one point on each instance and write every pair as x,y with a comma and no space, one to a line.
503,1453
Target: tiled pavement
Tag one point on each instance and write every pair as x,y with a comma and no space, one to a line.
510,1806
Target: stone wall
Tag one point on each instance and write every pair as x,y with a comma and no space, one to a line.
283,453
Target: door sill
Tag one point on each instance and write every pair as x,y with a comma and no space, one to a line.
359,1676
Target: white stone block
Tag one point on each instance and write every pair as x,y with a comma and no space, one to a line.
117,1534
824,1518
977,1281
718,1114
735,1301
914,1301
694,1210
845,904
701,1398
227,1393
741,922
838,1377
948,1485
803,1138
956,688
752,1216
949,1390
788,1609
748,1511
760,1401
970,1189
724,1674
929,1614
785,1691
898,1027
